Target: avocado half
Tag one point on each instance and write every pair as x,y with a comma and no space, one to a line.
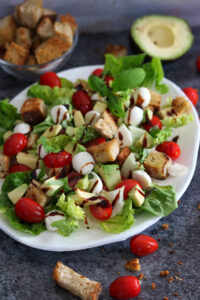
166,37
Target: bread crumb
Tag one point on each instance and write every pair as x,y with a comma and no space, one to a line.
199,206
165,298
133,265
102,250
170,279
171,252
116,50
179,202
180,262
178,278
178,274
164,273
165,226
153,286
141,276
159,240
176,294
171,244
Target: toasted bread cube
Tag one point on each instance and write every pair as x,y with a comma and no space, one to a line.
122,156
49,13
32,139
33,111
4,165
7,30
64,31
116,50
70,20
106,125
155,101
75,283
45,29
36,42
31,61
105,152
29,13
181,106
23,37
51,49
133,265
34,192
156,164
16,54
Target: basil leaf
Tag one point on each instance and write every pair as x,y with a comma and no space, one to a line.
128,79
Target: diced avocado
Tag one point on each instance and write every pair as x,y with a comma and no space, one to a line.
74,148
145,141
165,112
52,131
149,114
78,118
7,134
17,193
166,37
71,131
137,195
100,107
49,188
110,174
29,159
140,137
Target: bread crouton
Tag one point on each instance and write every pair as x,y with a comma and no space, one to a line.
33,111
70,20
16,54
106,125
64,31
181,106
36,42
49,13
122,156
4,165
34,192
105,152
32,139
45,29
31,61
23,37
51,49
75,283
133,265
116,50
156,164
155,101
7,30
29,13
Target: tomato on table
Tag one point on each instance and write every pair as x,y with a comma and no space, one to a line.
125,287
51,79
82,101
29,210
14,144
97,72
155,121
96,141
192,94
19,168
170,148
102,210
143,245
58,160
129,185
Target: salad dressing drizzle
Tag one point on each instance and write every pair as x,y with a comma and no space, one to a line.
94,185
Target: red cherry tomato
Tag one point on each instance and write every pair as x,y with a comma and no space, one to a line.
96,141
143,245
129,185
19,168
198,63
172,149
73,178
29,210
102,210
14,144
108,78
51,79
58,160
192,94
155,121
82,101
125,287
97,72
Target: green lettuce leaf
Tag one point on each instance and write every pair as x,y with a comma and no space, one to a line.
14,180
70,208
66,227
8,115
83,183
89,134
54,144
128,79
65,83
160,200
43,126
159,136
177,121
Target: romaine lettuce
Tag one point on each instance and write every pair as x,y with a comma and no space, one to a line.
177,121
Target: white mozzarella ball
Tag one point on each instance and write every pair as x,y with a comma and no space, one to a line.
142,97
41,151
116,198
91,117
134,116
124,136
23,128
96,185
142,177
59,113
52,217
176,169
83,163
128,166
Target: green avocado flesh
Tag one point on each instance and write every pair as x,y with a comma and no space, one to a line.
166,37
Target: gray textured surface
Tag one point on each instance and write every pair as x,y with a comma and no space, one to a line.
26,273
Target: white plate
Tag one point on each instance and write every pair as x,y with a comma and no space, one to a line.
189,137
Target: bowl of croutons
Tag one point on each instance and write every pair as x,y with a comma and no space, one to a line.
34,40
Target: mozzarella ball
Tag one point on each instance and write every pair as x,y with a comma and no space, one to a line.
91,117
96,185
142,97
52,217
59,113
124,136
83,163
41,151
23,128
134,116
142,177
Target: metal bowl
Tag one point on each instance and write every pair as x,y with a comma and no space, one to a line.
32,73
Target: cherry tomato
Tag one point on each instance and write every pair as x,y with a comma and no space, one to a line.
170,148
102,210
73,178
29,210
58,160
143,245
108,78
96,141
97,72
192,94
129,185
14,144
155,121
198,63
51,79
125,287
19,168
82,101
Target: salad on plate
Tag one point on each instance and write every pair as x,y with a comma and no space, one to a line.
91,153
